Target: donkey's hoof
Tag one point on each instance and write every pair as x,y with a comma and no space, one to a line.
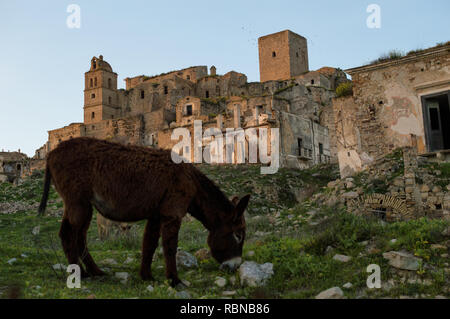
176,282
146,276
97,273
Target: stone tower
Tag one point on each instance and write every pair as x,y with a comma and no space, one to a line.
282,55
100,92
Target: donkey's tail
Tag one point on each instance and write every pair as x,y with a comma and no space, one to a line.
44,199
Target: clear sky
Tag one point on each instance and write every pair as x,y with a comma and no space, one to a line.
42,61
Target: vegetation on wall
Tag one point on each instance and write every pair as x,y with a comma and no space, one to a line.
344,89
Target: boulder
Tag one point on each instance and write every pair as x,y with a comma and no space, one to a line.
402,260
348,285
186,259
332,293
183,295
342,258
255,275
123,276
350,195
220,282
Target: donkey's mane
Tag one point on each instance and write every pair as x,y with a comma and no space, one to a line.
210,192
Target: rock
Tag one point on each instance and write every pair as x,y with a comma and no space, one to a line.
348,285
91,296
129,260
446,232
393,241
437,247
202,254
372,250
185,259
24,255
342,258
36,230
250,253
123,276
59,267
440,297
364,243
229,293
232,280
253,274
332,184
350,195
220,282
12,261
424,189
109,261
436,189
150,288
183,295
349,185
332,293
186,283
329,250
402,260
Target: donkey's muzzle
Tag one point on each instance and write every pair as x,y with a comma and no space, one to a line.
231,264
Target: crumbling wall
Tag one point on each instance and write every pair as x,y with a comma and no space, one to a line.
385,111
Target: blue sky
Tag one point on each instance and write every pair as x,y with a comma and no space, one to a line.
42,61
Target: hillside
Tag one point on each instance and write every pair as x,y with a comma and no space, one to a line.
291,223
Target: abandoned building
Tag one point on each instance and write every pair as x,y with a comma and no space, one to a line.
289,97
396,103
12,166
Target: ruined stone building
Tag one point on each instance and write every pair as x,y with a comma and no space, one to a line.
289,97
396,103
12,166
400,103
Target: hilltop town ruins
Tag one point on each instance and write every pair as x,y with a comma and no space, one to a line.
395,103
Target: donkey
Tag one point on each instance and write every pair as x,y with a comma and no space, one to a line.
132,183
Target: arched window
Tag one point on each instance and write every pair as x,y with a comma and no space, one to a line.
109,83
95,82
91,83
109,100
93,115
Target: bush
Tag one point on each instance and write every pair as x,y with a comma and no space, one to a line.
344,89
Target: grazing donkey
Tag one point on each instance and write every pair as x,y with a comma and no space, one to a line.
131,183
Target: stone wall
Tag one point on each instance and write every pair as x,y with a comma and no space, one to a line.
385,110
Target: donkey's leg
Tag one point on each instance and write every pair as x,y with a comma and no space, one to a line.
91,266
169,230
68,234
149,244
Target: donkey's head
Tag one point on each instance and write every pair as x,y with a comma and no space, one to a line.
227,240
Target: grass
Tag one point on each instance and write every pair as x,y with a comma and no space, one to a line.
280,230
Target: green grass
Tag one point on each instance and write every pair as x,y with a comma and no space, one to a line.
278,231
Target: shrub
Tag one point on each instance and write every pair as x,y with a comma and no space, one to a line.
344,89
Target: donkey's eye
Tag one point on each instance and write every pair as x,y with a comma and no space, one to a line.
238,237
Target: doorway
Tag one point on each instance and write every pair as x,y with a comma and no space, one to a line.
436,113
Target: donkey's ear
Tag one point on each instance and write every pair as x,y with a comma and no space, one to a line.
235,200
241,206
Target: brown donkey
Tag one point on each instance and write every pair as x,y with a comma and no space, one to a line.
131,183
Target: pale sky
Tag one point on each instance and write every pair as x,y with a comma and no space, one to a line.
42,61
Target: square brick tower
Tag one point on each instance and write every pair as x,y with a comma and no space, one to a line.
282,55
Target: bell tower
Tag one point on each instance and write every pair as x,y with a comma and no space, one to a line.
100,92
